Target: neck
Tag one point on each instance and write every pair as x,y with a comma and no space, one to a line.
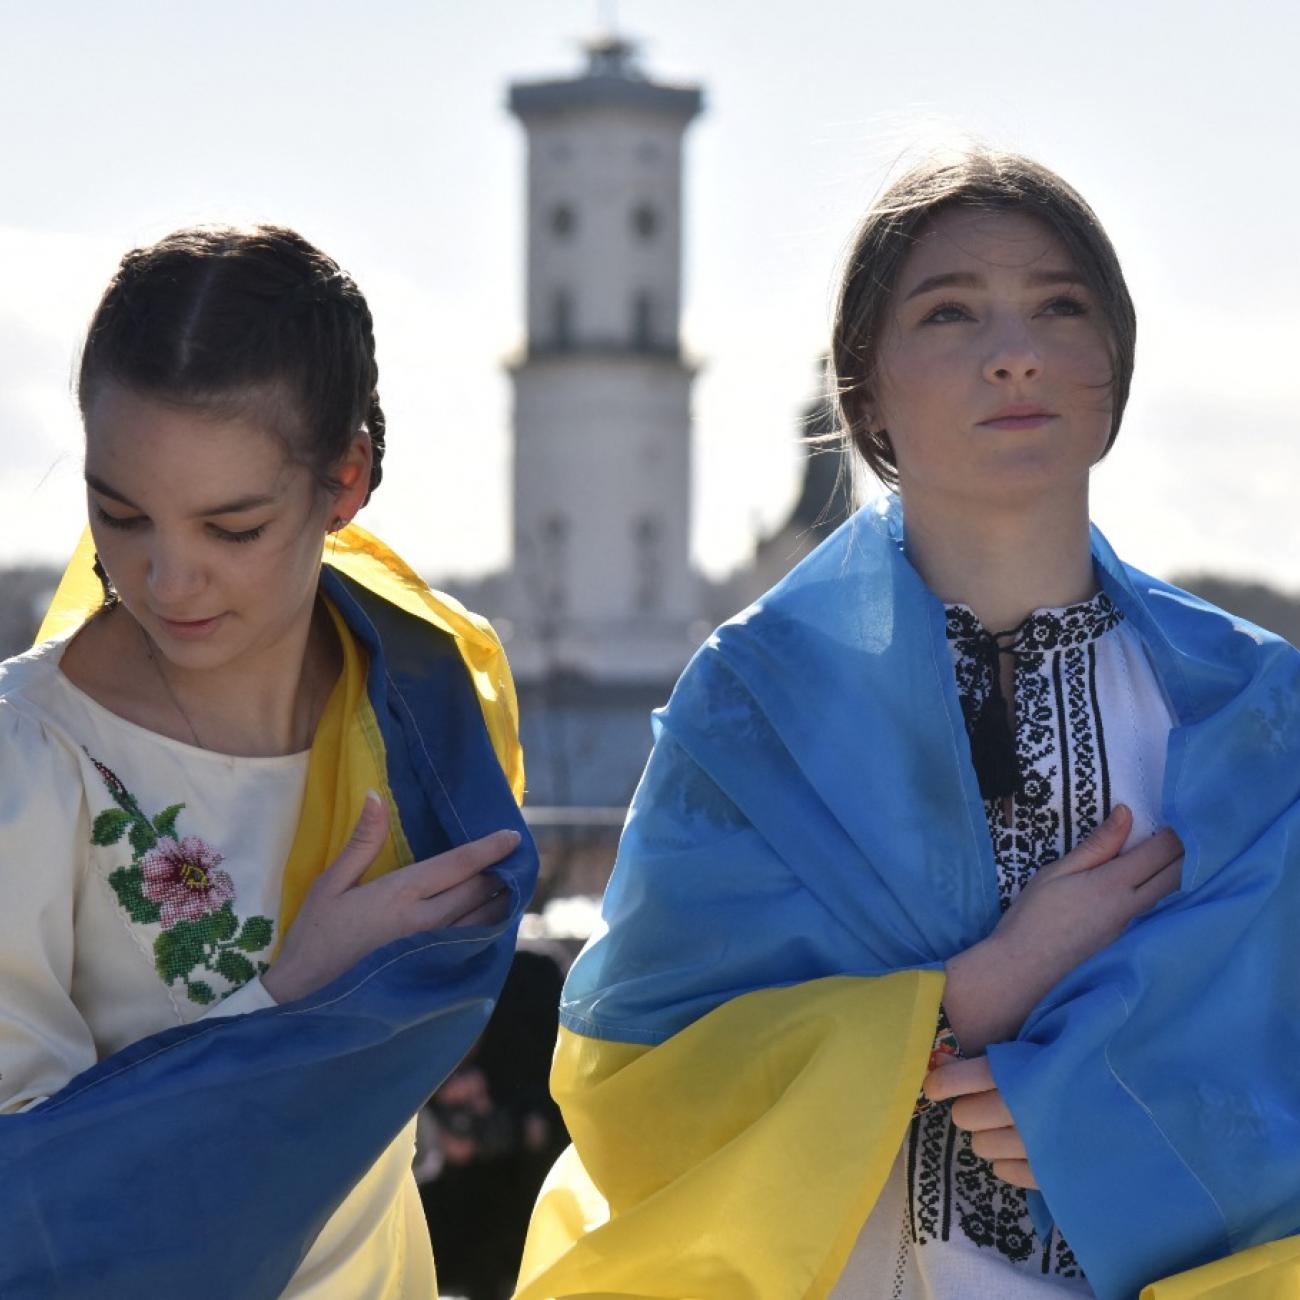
266,703
1003,563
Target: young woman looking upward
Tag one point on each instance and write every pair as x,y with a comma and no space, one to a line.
962,784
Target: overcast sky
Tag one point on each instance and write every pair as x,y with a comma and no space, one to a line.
379,129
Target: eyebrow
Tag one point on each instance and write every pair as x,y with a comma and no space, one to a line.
970,280
235,507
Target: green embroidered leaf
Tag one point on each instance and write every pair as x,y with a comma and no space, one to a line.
224,924
195,940
255,935
109,826
142,836
199,991
165,822
173,957
235,967
128,885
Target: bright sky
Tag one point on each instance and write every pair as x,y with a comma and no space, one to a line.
379,129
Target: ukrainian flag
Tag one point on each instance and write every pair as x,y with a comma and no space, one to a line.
744,1038
202,1161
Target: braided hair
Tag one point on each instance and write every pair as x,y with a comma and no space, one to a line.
227,319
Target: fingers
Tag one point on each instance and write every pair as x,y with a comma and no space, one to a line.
958,1078
362,848
1016,1172
981,1110
433,876
496,909
998,1144
1143,863
1165,881
483,894
1101,846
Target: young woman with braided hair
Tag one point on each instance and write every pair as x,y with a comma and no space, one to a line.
261,859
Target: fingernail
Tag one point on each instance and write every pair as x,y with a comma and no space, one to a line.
373,802
514,837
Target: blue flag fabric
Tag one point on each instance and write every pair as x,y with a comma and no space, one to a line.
811,809
203,1161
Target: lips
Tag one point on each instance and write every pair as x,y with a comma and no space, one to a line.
1019,417
189,629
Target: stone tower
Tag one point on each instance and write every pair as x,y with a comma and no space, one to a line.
603,586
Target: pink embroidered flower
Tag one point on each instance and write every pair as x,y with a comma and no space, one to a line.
184,879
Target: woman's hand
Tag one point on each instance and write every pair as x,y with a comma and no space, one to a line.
1070,910
980,1110
342,921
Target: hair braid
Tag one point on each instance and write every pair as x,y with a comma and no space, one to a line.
259,319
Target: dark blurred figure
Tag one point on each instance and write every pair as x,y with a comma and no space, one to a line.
489,1136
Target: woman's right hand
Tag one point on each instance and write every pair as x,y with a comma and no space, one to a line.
341,921
1068,911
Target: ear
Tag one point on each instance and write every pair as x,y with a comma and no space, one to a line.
352,473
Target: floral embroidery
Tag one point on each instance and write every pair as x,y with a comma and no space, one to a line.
184,879
176,883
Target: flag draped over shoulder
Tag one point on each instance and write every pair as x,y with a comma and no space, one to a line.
202,1161
743,1038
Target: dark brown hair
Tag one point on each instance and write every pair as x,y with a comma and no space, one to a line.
978,178
228,319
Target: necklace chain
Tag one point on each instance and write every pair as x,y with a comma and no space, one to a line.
180,708
167,686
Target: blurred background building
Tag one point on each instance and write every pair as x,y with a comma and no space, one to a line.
602,607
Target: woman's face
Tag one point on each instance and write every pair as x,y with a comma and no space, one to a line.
994,366
210,533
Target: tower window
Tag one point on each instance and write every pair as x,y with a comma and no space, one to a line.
647,533
645,221
562,319
643,321
564,221
553,587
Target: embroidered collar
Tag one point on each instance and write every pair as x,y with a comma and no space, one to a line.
1061,628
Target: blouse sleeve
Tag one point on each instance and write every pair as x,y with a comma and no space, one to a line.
44,1041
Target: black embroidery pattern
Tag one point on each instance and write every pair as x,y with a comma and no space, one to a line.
1064,794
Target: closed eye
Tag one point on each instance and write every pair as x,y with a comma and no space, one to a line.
123,522
248,534
128,523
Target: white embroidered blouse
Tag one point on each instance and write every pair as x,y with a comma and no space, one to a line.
140,889
1091,728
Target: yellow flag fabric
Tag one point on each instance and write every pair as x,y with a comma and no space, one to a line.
738,1159
78,594
364,558
1268,1272
346,760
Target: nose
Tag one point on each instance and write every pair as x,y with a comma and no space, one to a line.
1012,356
174,578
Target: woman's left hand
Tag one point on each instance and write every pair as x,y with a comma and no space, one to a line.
977,1106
